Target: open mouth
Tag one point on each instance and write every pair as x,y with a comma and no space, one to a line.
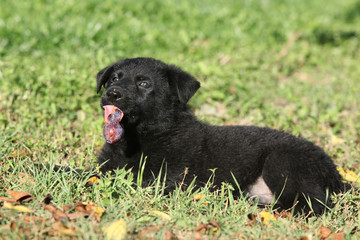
112,114
113,131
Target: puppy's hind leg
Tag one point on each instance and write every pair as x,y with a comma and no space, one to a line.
293,183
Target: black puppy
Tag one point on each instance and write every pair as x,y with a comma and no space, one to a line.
267,164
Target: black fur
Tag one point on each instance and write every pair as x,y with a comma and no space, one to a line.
158,125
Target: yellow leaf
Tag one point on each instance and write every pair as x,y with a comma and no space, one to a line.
61,228
267,217
336,140
95,209
199,196
116,230
21,153
348,175
19,208
93,180
161,214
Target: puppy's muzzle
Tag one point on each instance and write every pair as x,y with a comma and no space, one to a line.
113,94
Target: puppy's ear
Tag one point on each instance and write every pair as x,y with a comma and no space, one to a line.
184,84
103,76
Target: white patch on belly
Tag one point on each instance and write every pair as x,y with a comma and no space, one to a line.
261,191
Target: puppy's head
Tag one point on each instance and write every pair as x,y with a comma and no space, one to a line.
145,88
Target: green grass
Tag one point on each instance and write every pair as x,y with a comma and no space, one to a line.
290,65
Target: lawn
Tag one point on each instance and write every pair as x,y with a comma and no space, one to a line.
289,65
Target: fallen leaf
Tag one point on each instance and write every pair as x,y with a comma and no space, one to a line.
348,175
7,199
20,196
21,153
93,180
84,209
20,229
212,225
25,178
336,140
145,232
91,209
77,215
31,219
198,196
64,230
169,235
267,217
17,197
56,213
116,230
197,235
324,232
19,208
161,214
282,214
338,236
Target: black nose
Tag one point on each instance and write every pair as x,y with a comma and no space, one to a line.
113,94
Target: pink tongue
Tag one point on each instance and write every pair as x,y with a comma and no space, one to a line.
111,109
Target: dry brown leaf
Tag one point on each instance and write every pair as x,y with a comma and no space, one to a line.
282,214
338,236
22,153
31,219
143,233
7,199
324,232
17,197
169,235
20,229
77,215
304,238
57,214
197,235
212,225
90,209
84,209
20,196
25,178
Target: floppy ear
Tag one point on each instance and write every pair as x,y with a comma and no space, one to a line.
184,84
103,76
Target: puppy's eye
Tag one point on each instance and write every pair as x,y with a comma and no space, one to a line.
114,79
144,84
